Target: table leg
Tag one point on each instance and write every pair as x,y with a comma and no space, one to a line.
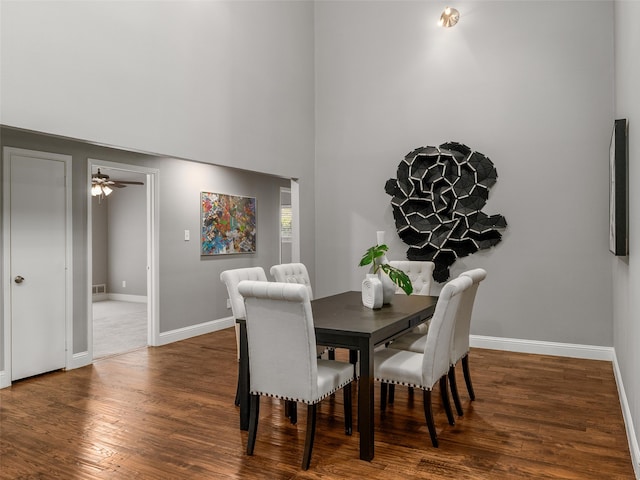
366,402
243,372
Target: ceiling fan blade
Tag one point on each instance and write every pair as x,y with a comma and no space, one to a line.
128,182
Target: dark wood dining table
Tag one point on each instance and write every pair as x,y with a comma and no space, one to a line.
343,321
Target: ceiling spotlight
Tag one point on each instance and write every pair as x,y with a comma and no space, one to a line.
449,17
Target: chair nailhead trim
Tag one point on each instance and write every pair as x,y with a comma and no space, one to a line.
404,384
281,397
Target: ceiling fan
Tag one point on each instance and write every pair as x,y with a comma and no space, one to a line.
102,185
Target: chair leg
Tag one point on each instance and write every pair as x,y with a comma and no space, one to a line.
467,376
293,412
348,409
311,431
444,393
453,386
392,393
237,400
428,414
254,413
332,353
383,396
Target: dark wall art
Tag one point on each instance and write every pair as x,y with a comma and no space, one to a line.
618,182
437,204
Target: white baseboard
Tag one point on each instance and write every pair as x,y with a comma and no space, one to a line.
183,333
122,297
591,352
78,360
628,419
5,379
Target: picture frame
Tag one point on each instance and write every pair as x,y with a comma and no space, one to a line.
618,189
227,224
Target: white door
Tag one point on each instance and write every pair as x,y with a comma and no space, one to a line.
37,236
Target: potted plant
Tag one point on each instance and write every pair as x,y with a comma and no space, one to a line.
376,256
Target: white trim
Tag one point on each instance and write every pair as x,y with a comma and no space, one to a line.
99,297
295,220
628,419
6,271
123,297
69,254
195,330
591,352
5,379
280,205
81,359
7,152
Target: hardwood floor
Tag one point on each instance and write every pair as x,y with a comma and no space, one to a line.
168,413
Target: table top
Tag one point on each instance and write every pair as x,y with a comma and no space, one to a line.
345,313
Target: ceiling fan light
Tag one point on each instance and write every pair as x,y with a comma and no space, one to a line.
95,190
106,190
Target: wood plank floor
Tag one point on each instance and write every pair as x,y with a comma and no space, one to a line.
168,413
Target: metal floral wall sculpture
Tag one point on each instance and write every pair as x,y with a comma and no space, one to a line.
437,204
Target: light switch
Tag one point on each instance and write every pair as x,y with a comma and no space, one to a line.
187,236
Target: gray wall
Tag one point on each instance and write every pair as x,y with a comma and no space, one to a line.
516,81
226,82
223,82
215,95
190,290
119,231
626,277
127,241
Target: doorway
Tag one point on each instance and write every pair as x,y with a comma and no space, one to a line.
122,259
37,262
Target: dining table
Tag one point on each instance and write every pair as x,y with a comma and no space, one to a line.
343,321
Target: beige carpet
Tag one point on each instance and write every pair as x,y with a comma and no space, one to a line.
118,327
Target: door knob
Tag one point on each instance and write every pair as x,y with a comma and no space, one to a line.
19,279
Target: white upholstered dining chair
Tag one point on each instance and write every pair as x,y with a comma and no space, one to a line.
297,273
280,314
231,278
460,344
292,273
424,370
460,341
420,273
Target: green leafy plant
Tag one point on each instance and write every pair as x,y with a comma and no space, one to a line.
396,275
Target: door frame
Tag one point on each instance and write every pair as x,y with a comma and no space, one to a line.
295,220
7,152
152,243
280,237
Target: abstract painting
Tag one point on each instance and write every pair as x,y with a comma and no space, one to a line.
228,224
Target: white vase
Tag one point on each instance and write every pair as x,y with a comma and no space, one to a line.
388,287
372,294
